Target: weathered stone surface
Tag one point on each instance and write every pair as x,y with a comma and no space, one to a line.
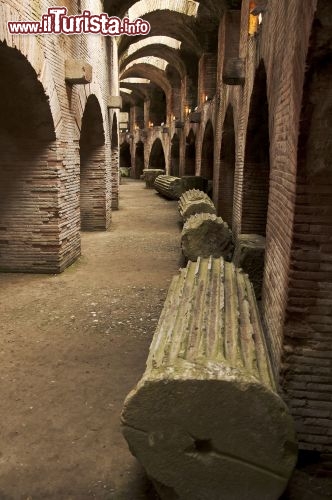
169,186
250,254
204,235
150,175
114,102
78,71
194,202
194,182
205,419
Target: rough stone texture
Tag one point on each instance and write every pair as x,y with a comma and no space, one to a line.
194,182
150,175
204,235
249,254
169,186
114,101
205,420
78,71
194,202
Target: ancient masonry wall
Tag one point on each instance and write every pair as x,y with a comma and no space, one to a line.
297,283
57,170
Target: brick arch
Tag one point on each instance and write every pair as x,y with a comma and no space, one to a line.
207,154
31,49
93,168
81,94
157,157
256,170
175,155
308,315
29,184
190,154
227,169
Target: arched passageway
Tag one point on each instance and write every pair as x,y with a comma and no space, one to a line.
308,319
227,169
158,106
92,172
256,172
207,158
125,155
115,162
175,156
190,155
29,212
139,159
157,155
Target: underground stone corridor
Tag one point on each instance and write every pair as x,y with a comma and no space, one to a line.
234,98
72,346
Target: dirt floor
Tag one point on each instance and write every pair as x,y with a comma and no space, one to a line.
71,348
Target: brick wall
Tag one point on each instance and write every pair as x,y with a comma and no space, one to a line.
207,71
207,154
307,360
227,169
256,168
29,212
115,162
59,168
92,168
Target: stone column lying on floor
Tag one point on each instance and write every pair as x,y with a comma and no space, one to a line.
169,186
204,235
150,175
250,255
205,420
194,202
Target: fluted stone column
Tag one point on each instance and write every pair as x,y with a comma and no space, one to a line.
194,202
205,420
206,234
169,186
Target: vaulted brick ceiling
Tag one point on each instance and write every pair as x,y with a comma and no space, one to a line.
194,25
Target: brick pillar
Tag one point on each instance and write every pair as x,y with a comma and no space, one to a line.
207,76
115,162
146,112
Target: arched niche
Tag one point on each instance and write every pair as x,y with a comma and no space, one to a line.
92,168
29,166
157,155
175,156
227,169
256,172
115,163
207,157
